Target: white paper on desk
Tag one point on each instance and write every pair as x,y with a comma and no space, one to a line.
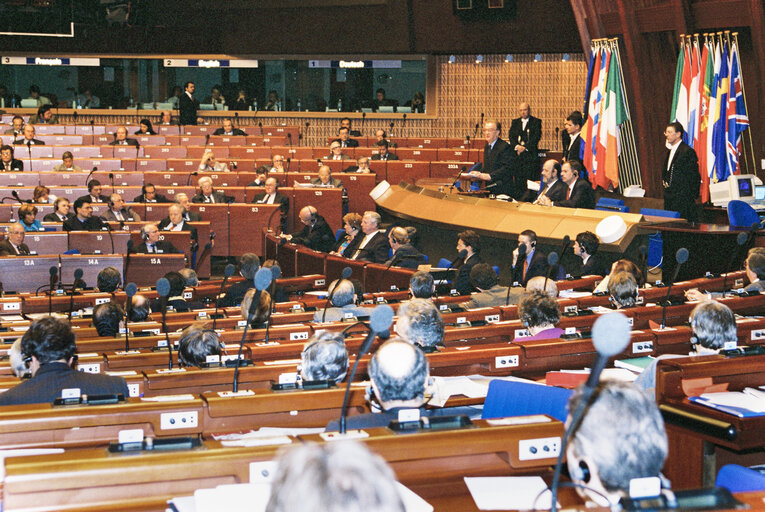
233,498
445,387
571,294
412,501
23,452
508,492
532,185
183,504
736,399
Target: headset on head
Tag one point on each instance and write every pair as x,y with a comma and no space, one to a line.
581,472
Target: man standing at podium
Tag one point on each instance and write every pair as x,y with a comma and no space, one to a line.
497,156
83,219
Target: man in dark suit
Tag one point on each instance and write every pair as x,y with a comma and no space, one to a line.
572,150
524,136
94,194
175,222
383,153
346,123
7,162
345,140
175,297
149,195
468,241
183,200
29,137
61,212
680,174
228,129
14,245
554,189
48,350
249,264
586,247
533,264
325,178
208,195
579,192
272,196
188,105
497,159
83,219
152,244
404,253
121,138
336,152
118,212
374,246
316,233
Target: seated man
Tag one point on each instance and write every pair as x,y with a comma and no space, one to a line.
383,153
228,129
400,377
374,246
107,318
175,298
419,322
404,253
343,303
195,344
190,278
344,138
108,280
149,195
83,219
605,455
139,308
119,212
165,118
325,179
346,123
361,167
336,152
175,222
67,164
316,233
580,193
48,349
539,313
14,245
29,137
208,195
586,247
152,244
272,196
277,164
44,115
490,293
94,194
535,262
17,126
210,164
7,162
121,138
754,266
188,215
623,290
422,285
61,211
248,265
324,357
380,134
470,242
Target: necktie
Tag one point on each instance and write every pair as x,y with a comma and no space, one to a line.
119,216
568,193
210,199
525,268
153,249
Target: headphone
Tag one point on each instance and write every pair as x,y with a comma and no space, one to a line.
144,235
581,472
27,361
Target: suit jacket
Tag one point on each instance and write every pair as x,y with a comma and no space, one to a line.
336,183
497,163
127,213
235,131
462,282
179,305
188,109
218,196
573,151
376,250
407,256
332,157
557,192
159,199
165,223
350,250
91,224
52,217
537,267
87,197
23,142
14,166
128,142
594,267
337,314
495,296
388,156
350,143
6,249
279,199
319,237
682,182
757,286
582,196
162,245
529,137
192,216
235,293
53,377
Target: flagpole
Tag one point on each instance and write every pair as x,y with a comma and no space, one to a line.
743,94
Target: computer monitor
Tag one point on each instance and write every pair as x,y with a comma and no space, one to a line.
737,187
759,193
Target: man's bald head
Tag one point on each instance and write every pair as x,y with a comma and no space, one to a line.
538,284
525,110
399,372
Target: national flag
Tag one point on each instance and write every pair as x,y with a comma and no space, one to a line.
590,126
705,90
714,114
719,128
600,148
736,113
681,104
693,97
678,83
615,115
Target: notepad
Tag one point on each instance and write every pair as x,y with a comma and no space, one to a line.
509,492
635,364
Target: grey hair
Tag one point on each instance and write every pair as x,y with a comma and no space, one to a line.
622,288
635,446
16,359
249,264
333,477
537,309
420,322
397,378
195,344
537,284
422,284
189,276
325,357
713,324
374,216
343,291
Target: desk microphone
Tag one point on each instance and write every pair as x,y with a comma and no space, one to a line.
289,160
207,140
87,180
276,273
363,118
262,279
130,290
457,178
29,151
227,272
17,198
188,180
380,320
111,180
77,282
681,256
643,250
390,134
260,125
135,162
109,230
130,245
92,128
563,246
610,335
289,139
552,263
74,117
475,134
403,123
163,290
236,118
741,240
346,274
557,139
53,280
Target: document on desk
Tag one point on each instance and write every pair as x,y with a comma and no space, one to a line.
509,492
737,403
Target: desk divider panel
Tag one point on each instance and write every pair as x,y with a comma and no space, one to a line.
246,222
218,217
90,265
26,273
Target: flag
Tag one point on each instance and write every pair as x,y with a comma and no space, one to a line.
590,126
615,114
705,90
719,128
678,83
736,117
714,114
599,143
682,86
693,97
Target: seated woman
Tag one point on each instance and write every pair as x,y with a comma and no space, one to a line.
42,195
539,314
195,344
145,128
324,357
347,244
623,290
261,310
622,266
27,213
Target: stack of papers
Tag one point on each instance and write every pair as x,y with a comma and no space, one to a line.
509,492
743,404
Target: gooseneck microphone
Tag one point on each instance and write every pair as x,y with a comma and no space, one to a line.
130,290
17,198
552,263
53,280
276,273
271,217
29,152
643,250
563,246
87,180
380,320
262,279
163,290
347,271
457,178
130,245
227,272
681,256
111,238
77,282
610,335
460,256
741,240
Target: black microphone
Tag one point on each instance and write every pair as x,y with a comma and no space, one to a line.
92,128
289,160
111,180
393,260
163,290
111,238
363,118
74,116
563,246
207,140
276,273
740,240
87,180
53,280
135,162
262,279
236,118
130,245
130,290
557,139
289,139
260,125
227,272
552,263
17,198
403,123
681,256
188,180
380,320
643,250
457,178
29,151
461,256
610,335
475,134
77,282
346,274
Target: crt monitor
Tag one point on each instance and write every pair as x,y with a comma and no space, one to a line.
759,193
736,187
